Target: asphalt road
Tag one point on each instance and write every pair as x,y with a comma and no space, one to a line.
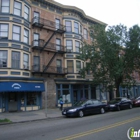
109,126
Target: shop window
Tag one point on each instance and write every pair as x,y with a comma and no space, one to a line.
65,86
22,100
31,99
66,96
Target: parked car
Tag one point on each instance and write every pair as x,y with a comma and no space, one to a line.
136,101
86,107
120,103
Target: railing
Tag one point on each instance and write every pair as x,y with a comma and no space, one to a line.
38,44
50,70
37,21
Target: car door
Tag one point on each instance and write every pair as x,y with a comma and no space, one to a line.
97,106
88,107
124,103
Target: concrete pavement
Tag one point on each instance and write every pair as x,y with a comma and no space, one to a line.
16,117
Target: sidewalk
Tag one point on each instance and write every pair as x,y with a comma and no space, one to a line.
16,117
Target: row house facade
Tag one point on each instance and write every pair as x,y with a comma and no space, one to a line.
39,44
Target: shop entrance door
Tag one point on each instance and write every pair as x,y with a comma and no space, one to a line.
12,102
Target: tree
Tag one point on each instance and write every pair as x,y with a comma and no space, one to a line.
113,56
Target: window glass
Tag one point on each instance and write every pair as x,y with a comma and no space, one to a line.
16,32
5,6
26,12
69,45
31,99
3,59
78,66
76,27
17,8
68,26
15,59
26,36
89,102
66,96
57,23
85,34
4,30
70,66
77,46
25,61
58,44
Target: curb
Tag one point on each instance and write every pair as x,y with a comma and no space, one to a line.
48,118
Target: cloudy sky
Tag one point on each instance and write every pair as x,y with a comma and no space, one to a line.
112,12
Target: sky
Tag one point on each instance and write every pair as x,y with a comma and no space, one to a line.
112,12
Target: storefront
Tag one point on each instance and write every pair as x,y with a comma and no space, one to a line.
21,96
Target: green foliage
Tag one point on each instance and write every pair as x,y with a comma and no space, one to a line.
4,120
113,55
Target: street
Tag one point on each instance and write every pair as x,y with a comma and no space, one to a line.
109,126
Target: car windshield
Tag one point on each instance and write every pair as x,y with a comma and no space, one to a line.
116,100
80,103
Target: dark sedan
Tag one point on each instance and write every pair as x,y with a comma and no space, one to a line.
83,108
136,101
120,103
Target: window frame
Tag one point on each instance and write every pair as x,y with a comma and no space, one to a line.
4,59
19,9
25,63
17,60
78,66
25,13
57,23
76,27
5,6
77,47
16,32
69,48
70,26
58,46
71,67
85,33
27,37
4,31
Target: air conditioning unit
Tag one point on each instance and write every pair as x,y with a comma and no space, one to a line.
25,67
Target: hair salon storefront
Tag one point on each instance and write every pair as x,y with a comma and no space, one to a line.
20,96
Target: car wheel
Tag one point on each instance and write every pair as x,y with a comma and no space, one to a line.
130,106
118,108
102,110
81,113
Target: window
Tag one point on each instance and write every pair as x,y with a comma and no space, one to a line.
36,40
15,60
26,36
5,6
36,17
70,66
76,27
59,65
16,32
26,12
81,29
85,34
68,26
25,61
31,99
58,44
36,62
91,35
77,46
4,30
78,66
69,45
17,8
3,59
57,23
